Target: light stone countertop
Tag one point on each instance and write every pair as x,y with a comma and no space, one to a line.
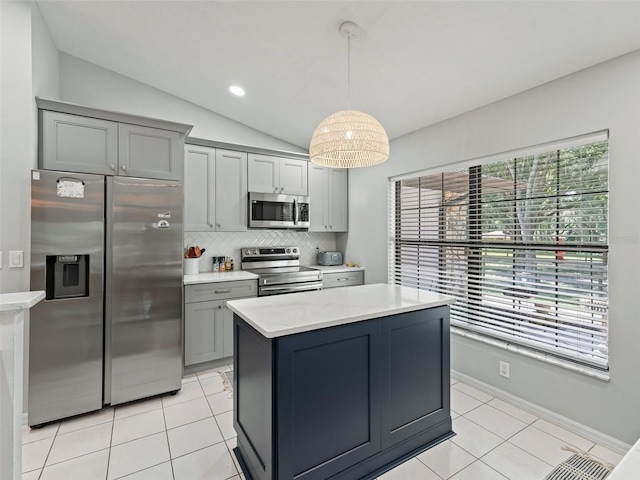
629,466
19,301
214,277
280,315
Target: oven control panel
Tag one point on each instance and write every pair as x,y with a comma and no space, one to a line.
269,252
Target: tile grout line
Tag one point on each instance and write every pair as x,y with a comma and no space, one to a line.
113,424
166,432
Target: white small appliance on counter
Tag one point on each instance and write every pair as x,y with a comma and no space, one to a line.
330,258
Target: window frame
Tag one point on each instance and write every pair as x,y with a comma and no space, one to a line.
475,246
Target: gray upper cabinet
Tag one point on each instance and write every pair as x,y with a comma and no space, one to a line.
215,190
149,152
328,194
78,144
199,184
85,140
231,191
270,174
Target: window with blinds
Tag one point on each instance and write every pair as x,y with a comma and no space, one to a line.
521,242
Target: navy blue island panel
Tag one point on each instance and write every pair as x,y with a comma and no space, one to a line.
341,403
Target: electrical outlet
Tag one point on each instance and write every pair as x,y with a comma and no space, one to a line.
505,369
15,259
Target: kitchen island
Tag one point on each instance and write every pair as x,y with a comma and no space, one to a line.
342,383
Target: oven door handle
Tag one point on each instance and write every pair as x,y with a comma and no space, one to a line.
295,211
293,288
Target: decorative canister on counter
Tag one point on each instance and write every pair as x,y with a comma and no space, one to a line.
191,266
216,264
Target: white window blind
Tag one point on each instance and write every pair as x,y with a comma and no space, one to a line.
521,243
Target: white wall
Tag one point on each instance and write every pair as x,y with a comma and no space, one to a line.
45,58
17,154
87,84
604,96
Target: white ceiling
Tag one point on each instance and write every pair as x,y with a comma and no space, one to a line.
416,63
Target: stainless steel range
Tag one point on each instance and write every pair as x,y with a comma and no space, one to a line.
279,270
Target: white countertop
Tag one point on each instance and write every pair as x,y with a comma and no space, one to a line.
280,315
629,466
335,268
20,300
214,277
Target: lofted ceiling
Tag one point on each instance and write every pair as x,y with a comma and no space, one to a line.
415,64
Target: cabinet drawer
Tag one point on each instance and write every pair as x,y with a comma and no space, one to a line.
344,279
221,290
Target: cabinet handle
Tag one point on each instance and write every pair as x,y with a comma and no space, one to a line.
123,167
342,279
219,307
223,291
281,189
113,167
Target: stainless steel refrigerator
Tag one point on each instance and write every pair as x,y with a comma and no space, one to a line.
108,253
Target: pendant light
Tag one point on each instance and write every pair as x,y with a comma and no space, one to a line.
349,138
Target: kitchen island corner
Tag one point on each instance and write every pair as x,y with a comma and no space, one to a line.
342,384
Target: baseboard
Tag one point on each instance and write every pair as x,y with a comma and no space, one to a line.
589,433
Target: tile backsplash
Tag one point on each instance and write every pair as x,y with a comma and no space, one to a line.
228,244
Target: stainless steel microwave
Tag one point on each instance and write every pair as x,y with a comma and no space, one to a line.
270,210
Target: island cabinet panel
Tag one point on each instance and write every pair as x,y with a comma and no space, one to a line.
253,400
342,403
415,355
329,382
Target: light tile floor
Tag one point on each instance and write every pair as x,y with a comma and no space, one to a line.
190,436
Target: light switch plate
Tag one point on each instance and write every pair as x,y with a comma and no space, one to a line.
16,259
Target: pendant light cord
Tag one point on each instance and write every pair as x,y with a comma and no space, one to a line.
349,72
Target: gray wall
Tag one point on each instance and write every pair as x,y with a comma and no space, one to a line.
88,84
601,97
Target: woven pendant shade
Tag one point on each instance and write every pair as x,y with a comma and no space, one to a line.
349,139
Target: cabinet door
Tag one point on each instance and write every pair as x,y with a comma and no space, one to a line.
318,198
264,173
203,332
149,152
73,143
338,200
329,400
414,399
199,198
293,177
342,279
231,191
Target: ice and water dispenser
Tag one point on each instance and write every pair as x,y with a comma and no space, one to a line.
67,276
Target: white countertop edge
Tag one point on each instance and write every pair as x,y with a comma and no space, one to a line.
240,306
19,300
215,277
629,466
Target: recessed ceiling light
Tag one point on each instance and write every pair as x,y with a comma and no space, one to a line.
236,90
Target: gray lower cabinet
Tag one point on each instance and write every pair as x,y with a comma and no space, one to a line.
342,279
208,322
342,403
75,143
